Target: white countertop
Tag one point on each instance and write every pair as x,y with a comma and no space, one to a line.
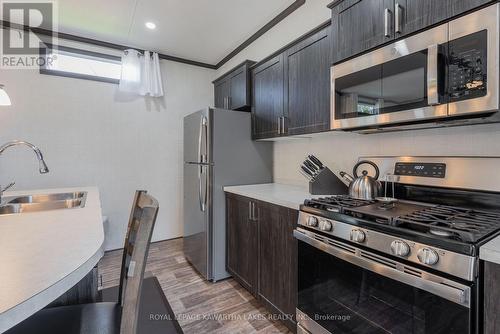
44,254
280,194
490,251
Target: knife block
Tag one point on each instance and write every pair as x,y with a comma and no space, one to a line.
327,183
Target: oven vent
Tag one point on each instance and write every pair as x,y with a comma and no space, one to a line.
379,259
412,271
347,248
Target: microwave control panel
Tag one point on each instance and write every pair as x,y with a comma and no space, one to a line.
467,67
437,170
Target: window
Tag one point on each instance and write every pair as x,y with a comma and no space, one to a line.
81,64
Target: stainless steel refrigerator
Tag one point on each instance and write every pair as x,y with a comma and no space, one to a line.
218,151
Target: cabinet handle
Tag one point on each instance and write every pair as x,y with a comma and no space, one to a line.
398,16
387,19
229,102
283,127
279,125
249,210
254,214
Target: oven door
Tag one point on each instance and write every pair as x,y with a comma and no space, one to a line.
344,289
402,82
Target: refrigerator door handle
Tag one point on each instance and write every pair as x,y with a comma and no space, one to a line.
202,141
203,188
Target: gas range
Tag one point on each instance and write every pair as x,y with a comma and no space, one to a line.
357,256
440,237
453,227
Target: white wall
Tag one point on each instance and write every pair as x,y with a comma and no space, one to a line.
340,150
90,135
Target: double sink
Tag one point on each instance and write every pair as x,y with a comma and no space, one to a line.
42,202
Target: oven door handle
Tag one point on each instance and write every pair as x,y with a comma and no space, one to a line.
439,286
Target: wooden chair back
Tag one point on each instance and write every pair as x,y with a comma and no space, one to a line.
135,253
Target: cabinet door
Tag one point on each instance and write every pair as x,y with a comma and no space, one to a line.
238,84
241,242
221,91
267,106
307,80
460,6
491,291
277,286
414,15
359,25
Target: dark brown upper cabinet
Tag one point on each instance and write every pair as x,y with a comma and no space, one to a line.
267,93
457,7
291,89
415,15
361,25
307,80
233,90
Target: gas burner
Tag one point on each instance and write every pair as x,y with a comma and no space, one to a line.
440,233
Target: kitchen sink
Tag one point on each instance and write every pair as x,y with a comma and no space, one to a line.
46,202
47,198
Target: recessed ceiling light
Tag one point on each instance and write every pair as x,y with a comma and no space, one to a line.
150,25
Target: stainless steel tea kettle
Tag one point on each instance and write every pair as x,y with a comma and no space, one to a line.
364,186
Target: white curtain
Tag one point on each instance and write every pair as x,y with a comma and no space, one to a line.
141,74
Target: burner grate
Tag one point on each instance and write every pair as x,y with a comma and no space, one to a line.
452,222
336,203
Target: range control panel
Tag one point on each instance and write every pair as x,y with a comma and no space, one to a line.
437,170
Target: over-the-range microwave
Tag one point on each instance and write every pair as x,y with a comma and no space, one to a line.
447,75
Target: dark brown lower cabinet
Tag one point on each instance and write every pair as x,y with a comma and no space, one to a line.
275,261
277,284
491,298
241,235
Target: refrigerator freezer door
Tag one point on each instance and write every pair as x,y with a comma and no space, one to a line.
197,217
197,137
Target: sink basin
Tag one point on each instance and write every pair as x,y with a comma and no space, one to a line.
37,203
46,198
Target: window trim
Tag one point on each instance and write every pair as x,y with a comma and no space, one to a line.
44,70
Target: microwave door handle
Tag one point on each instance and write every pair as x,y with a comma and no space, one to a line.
432,75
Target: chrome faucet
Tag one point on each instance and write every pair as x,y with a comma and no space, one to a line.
42,166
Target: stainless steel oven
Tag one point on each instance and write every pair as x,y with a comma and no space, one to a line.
346,289
448,72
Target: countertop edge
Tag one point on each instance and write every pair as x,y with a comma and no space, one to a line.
489,255
287,204
22,311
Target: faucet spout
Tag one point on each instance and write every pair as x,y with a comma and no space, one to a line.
42,166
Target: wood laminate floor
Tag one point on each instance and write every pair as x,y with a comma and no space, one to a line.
200,306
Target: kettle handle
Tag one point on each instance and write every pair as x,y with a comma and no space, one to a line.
362,162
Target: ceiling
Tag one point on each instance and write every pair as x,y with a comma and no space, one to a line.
200,30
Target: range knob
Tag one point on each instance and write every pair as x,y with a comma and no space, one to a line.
428,256
400,248
358,235
312,221
325,225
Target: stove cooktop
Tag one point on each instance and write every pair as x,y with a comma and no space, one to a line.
438,222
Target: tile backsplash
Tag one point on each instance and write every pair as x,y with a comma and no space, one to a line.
340,150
